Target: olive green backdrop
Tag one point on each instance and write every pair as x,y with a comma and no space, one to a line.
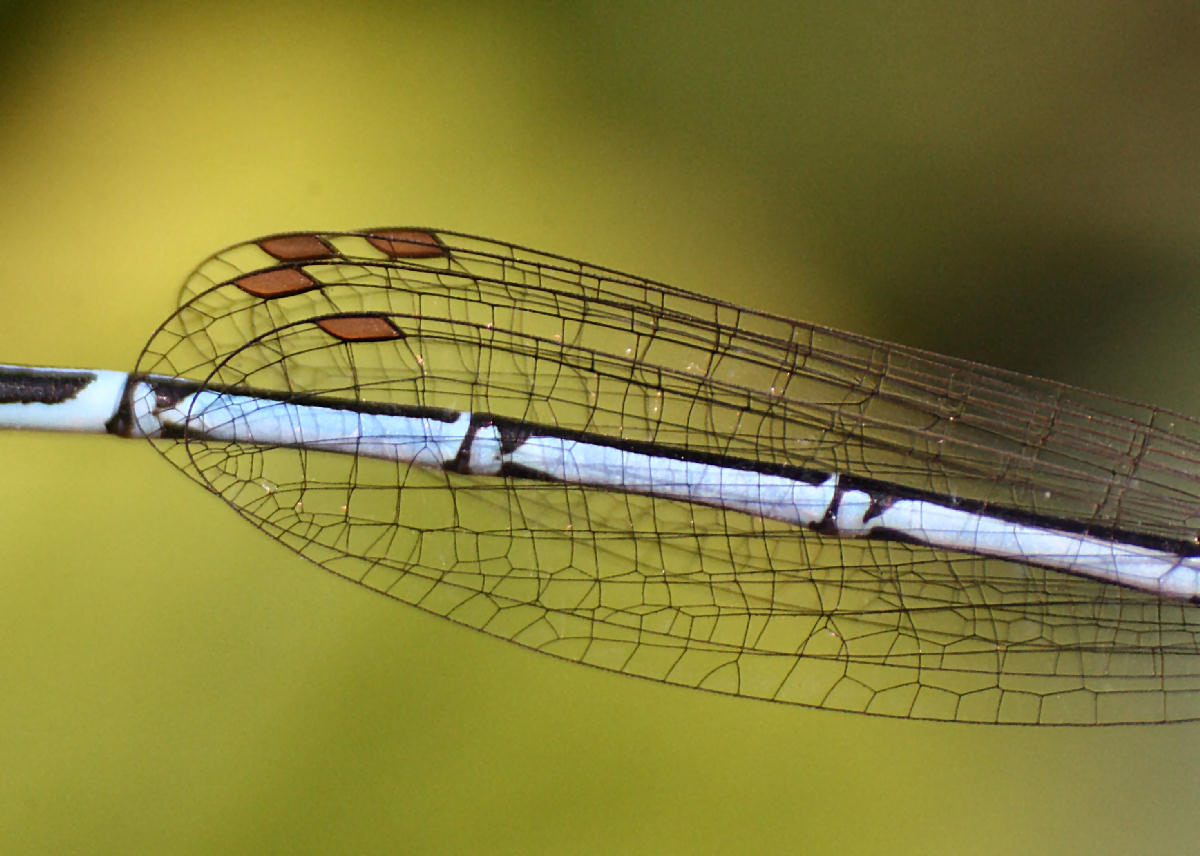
1015,183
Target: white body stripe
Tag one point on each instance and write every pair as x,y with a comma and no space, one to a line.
801,503
244,419
435,443
779,498
930,523
87,411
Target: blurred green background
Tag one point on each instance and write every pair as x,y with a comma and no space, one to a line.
1014,183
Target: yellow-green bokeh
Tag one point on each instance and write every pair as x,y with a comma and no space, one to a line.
1011,183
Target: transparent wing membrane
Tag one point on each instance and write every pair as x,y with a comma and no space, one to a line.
685,593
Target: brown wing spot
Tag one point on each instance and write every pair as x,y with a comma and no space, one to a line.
280,282
291,247
407,243
360,328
